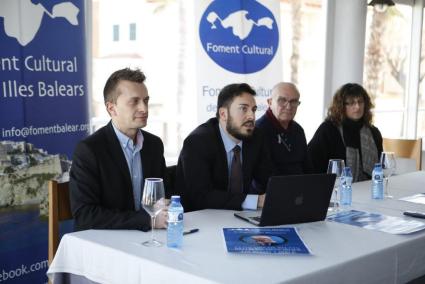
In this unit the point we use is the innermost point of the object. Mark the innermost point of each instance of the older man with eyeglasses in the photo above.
(285, 137)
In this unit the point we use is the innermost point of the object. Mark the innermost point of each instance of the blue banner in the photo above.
(239, 41)
(44, 113)
(240, 36)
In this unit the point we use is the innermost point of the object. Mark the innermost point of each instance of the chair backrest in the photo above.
(59, 210)
(405, 148)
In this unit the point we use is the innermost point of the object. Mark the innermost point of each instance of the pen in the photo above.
(190, 231)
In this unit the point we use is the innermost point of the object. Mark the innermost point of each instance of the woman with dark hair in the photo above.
(347, 133)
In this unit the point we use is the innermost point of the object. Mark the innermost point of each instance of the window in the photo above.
(387, 52)
(132, 31)
(115, 32)
(421, 99)
(394, 71)
(301, 28)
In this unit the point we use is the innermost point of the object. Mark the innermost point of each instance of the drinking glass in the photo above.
(388, 167)
(336, 166)
(153, 203)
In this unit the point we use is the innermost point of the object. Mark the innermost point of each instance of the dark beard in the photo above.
(234, 131)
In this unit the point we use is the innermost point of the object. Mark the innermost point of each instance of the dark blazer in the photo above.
(202, 170)
(285, 162)
(327, 144)
(100, 184)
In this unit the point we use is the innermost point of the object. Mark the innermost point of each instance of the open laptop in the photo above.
(293, 199)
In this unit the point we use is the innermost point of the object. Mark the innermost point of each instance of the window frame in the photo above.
(132, 28)
(115, 33)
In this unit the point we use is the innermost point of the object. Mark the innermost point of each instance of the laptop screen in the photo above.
(297, 199)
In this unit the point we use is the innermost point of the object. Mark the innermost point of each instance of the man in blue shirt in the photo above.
(285, 137)
(224, 163)
(109, 166)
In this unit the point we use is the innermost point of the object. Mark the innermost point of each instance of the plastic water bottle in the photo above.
(377, 182)
(175, 223)
(345, 186)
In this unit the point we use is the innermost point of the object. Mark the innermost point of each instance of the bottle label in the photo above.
(377, 190)
(175, 216)
(345, 197)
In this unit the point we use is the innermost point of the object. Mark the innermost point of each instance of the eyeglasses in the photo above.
(353, 103)
(283, 102)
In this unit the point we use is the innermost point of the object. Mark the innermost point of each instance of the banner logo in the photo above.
(240, 36)
(22, 18)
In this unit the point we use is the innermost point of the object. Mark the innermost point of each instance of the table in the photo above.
(341, 253)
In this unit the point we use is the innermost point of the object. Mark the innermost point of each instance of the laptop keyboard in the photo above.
(256, 218)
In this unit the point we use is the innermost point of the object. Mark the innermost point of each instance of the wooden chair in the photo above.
(405, 148)
(59, 210)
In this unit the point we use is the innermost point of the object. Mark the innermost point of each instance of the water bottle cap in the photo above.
(378, 165)
(175, 198)
(347, 171)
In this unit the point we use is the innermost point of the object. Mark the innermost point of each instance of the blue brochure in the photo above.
(264, 241)
(378, 222)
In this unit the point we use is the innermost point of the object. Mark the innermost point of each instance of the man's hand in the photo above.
(161, 219)
(260, 202)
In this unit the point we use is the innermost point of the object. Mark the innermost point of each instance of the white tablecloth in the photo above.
(341, 253)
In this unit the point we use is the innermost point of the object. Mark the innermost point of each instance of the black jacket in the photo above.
(202, 170)
(285, 162)
(327, 144)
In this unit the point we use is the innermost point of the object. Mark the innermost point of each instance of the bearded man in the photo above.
(224, 163)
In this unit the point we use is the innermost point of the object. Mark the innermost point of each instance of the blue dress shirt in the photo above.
(134, 162)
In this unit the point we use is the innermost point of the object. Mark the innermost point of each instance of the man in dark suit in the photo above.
(224, 163)
(109, 167)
